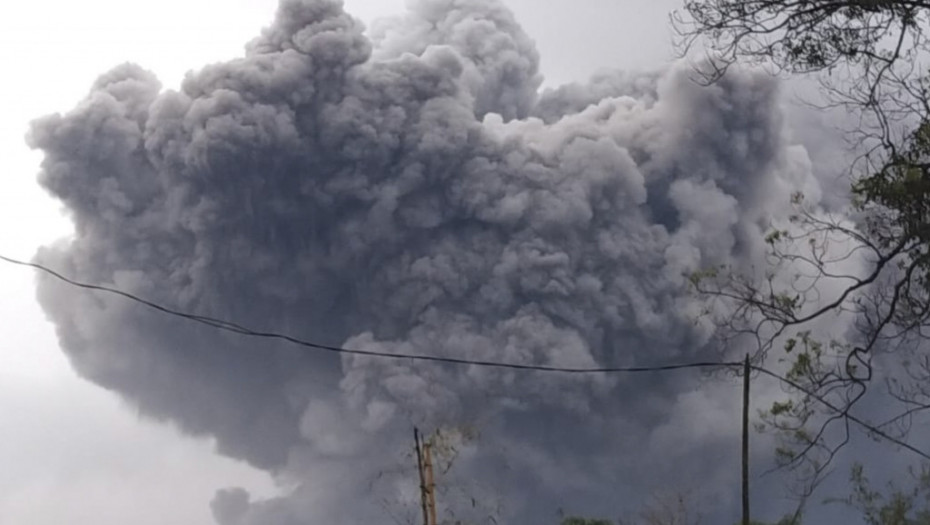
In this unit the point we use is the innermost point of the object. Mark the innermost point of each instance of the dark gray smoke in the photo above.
(412, 192)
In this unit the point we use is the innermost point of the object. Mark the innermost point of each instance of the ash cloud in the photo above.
(410, 190)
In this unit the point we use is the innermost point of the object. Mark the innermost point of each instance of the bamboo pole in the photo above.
(430, 483)
(423, 498)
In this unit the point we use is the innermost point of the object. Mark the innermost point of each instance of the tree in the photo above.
(869, 266)
(806, 35)
(461, 500)
(575, 520)
(870, 48)
(672, 508)
(669, 508)
(909, 506)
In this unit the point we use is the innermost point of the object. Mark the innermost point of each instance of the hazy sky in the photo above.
(70, 451)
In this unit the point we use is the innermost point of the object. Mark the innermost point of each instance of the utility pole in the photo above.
(423, 498)
(430, 482)
(427, 482)
(746, 370)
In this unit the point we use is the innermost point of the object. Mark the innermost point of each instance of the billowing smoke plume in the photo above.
(412, 191)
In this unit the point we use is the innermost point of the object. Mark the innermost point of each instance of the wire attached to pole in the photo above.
(229, 326)
(236, 328)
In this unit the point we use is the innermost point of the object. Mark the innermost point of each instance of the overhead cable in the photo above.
(236, 328)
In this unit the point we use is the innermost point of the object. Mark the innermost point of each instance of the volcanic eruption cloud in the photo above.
(412, 189)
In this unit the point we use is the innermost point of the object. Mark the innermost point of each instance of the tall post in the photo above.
(430, 483)
(420, 471)
(746, 370)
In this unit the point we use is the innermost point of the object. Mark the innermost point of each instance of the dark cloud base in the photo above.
(412, 190)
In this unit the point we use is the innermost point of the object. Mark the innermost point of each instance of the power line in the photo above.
(843, 413)
(236, 328)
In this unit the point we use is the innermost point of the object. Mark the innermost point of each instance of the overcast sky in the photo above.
(70, 451)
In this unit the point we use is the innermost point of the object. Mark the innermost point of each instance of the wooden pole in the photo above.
(746, 370)
(430, 483)
(423, 503)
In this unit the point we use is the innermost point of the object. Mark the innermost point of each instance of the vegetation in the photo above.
(866, 269)
(909, 506)
(896, 505)
(585, 521)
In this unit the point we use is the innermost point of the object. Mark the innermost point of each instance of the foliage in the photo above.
(674, 508)
(866, 51)
(805, 35)
(893, 506)
(460, 500)
(787, 520)
(574, 520)
(870, 267)
(899, 507)
(876, 273)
